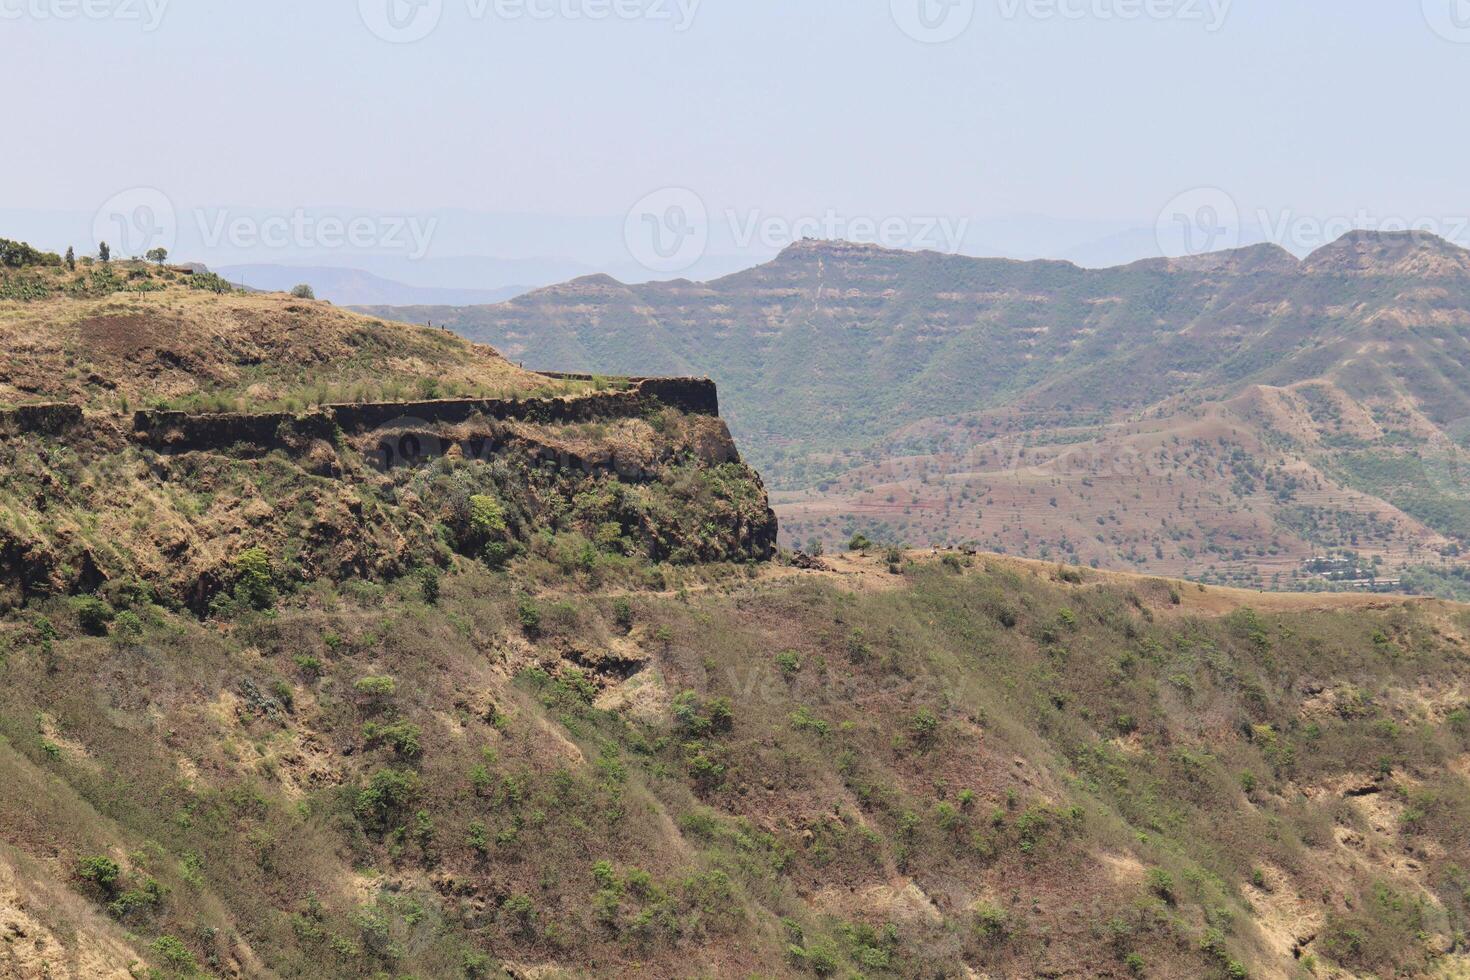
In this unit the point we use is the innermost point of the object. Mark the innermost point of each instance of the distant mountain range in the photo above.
(1225, 416)
(354, 287)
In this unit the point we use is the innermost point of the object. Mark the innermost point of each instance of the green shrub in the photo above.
(103, 872)
(93, 614)
(478, 838)
(127, 625)
(401, 736)
(699, 718)
(386, 795)
(803, 720)
(924, 728)
(429, 585)
(623, 613)
(789, 663)
(487, 517)
(530, 617)
(254, 581)
(486, 530)
(991, 921)
(823, 960)
(478, 966)
(519, 912)
(137, 903)
(1161, 883)
(174, 953)
(376, 688)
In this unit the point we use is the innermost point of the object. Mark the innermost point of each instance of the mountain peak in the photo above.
(834, 247)
(1265, 257)
(1390, 253)
(598, 280)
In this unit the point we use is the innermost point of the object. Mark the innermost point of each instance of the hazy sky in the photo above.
(1076, 109)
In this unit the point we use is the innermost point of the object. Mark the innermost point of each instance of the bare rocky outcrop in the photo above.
(172, 431)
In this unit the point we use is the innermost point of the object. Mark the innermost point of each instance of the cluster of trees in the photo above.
(16, 255)
(155, 255)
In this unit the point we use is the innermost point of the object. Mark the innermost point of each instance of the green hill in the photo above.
(927, 397)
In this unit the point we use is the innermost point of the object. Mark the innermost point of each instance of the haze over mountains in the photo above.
(1224, 416)
(459, 256)
(354, 287)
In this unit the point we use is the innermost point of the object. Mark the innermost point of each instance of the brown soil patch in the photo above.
(123, 335)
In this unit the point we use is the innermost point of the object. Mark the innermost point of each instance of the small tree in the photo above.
(71, 258)
(486, 520)
(104, 252)
(254, 580)
(157, 255)
(303, 291)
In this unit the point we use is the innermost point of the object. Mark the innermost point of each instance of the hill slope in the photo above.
(957, 768)
(1224, 416)
(507, 685)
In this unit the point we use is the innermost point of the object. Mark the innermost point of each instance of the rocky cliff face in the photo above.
(366, 490)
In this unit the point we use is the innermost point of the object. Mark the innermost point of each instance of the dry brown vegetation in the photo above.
(281, 714)
(147, 336)
(976, 763)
